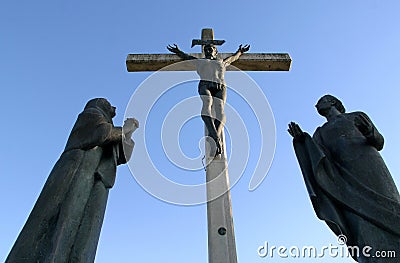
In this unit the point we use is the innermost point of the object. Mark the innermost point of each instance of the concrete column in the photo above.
(221, 236)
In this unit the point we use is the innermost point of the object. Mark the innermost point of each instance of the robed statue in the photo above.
(65, 223)
(348, 182)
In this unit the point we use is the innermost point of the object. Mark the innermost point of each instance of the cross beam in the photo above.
(247, 62)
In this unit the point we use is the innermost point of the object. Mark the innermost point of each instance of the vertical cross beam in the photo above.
(221, 237)
(206, 34)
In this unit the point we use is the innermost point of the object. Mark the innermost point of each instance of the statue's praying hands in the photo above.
(130, 125)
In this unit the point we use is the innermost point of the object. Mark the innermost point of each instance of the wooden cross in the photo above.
(221, 239)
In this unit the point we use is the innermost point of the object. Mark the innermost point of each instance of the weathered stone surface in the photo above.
(221, 236)
(247, 62)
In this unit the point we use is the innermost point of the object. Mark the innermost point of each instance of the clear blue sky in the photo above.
(56, 55)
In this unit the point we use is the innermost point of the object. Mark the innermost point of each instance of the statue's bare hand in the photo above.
(295, 131)
(363, 125)
(173, 48)
(244, 48)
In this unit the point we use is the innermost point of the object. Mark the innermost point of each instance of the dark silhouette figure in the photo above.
(348, 182)
(65, 223)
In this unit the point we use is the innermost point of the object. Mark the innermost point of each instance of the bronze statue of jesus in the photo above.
(212, 87)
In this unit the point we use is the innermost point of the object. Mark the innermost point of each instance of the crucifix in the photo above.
(221, 239)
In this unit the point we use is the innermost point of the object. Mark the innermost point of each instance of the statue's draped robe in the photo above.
(350, 186)
(65, 223)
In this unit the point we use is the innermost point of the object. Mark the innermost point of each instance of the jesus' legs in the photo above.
(209, 122)
(219, 104)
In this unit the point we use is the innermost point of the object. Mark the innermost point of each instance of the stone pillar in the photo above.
(221, 237)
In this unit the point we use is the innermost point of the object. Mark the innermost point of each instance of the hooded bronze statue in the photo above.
(348, 182)
(65, 223)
